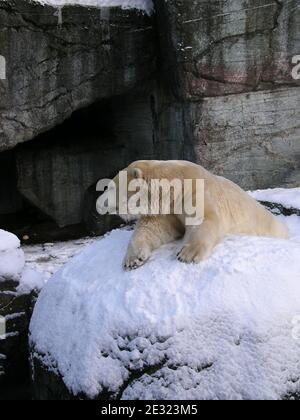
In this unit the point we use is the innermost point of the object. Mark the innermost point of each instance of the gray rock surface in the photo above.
(224, 47)
(54, 69)
(10, 200)
(252, 139)
(205, 81)
(56, 170)
(16, 309)
(228, 67)
(94, 55)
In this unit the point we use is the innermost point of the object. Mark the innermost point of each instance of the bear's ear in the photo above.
(136, 173)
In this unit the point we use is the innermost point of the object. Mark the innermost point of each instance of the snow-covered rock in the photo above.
(224, 329)
(8, 241)
(12, 265)
(11, 257)
(287, 198)
(17, 284)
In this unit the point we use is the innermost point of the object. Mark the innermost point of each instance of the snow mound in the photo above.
(145, 5)
(12, 265)
(223, 329)
(288, 198)
(11, 257)
(8, 241)
(31, 280)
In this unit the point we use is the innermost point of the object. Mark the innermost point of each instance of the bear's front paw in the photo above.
(193, 254)
(135, 260)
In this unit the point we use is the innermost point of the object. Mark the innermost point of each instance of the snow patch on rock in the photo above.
(288, 198)
(145, 5)
(221, 329)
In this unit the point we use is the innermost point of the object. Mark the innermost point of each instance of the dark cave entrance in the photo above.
(47, 185)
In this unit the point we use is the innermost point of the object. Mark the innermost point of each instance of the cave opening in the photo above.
(48, 185)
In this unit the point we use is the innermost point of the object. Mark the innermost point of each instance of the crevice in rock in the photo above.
(279, 10)
(232, 38)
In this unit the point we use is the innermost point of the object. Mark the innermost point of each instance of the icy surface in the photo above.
(145, 5)
(226, 328)
(11, 257)
(289, 198)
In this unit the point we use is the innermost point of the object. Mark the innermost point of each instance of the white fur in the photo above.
(227, 210)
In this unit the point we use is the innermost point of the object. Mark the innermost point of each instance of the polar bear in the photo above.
(227, 210)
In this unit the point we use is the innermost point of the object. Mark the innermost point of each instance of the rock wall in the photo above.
(57, 169)
(87, 56)
(10, 199)
(16, 309)
(221, 47)
(228, 65)
(55, 67)
(205, 81)
(253, 138)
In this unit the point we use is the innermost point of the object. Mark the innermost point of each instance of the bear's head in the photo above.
(152, 188)
(127, 193)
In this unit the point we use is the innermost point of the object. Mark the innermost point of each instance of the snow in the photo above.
(11, 257)
(12, 265)
(289, 198)
(31, 280)
(224, 329)
(145, 5)
(48, 258)
(8, 241)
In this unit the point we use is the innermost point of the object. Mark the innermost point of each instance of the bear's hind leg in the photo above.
(200, 242)
(150, 234)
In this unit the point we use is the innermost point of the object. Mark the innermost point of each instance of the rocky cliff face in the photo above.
(200, 80)
(219, 48)
(229, 65)
(56, 65)
(57, 169)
